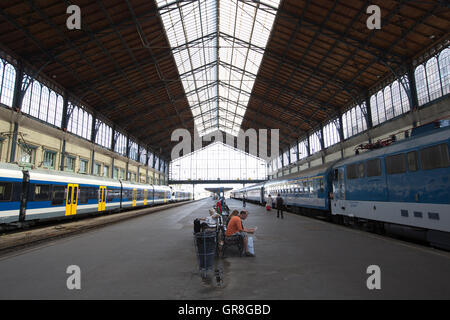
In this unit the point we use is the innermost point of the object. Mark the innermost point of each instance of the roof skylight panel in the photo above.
(244, 28)
(240, 29)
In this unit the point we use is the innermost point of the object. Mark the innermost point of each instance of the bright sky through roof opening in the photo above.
(218, 46)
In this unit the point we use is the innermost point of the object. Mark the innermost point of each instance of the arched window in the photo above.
(59, 111)
(26, 101)
(8, 82)
(344, 125)
(150, 159)
(103, 136)
(43, 108)
(421, 85)
(388, 103)
(374, 109)
(433, 79)
(360, 117)
(80, 121)
(331, 134)
(35, 99)
(404, 96)
(380, 107)
(396, 98)
(444, 67)
(51, 108)
(2, 75)
(89, 126)
(73, 120)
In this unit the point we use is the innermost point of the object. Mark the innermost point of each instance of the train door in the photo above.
(145, 197)
(101, 198)
(134, 197)
(164, 197)
(71, 199)
(339, 184)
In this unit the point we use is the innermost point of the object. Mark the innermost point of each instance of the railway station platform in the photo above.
(153, 257)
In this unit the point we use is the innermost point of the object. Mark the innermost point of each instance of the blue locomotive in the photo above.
(31, 195)
(404, 185)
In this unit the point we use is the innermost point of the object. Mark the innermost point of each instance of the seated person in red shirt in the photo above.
(235, 227)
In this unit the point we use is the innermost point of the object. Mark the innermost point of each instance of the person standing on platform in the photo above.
(243, 200)
(219, 206)
(279, 206)
(269, 203)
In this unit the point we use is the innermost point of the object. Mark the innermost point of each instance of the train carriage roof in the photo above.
(316, 171)
(10, 171)
(70, 177)
(433, 137)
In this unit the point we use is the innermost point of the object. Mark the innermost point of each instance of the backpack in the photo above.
(197, 226)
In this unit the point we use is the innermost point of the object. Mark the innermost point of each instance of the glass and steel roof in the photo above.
(218, 46)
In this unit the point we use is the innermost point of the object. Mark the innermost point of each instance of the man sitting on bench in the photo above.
(235, 227)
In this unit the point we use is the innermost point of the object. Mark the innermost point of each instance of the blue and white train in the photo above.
(33, 195)
(403, 186)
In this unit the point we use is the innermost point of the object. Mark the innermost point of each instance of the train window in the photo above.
(5, 191)
(75, 194)
(434, 157)
(84, 195)
(58, 195)
(412, 161)
(321, 185)
(352, 171)
(361, 173)
(395, 164)
(92, 192)
(373, 167)
(41, 192)
(111, 194)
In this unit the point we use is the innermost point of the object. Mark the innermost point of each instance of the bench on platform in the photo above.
(234, 240)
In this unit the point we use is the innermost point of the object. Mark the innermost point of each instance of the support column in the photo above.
(93, 135)
(93, 161)
(14, 142)
(322, 144)
(17, 106)
(368, 111)
(128, 158)
(112, 168)
(112, 144)
(64, 128)
(412, 94)
(341, 134)
(308, 149)
(368, 115)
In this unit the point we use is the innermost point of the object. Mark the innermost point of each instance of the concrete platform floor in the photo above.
(153, 257)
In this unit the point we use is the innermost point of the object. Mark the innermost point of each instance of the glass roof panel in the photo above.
(218, 47)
